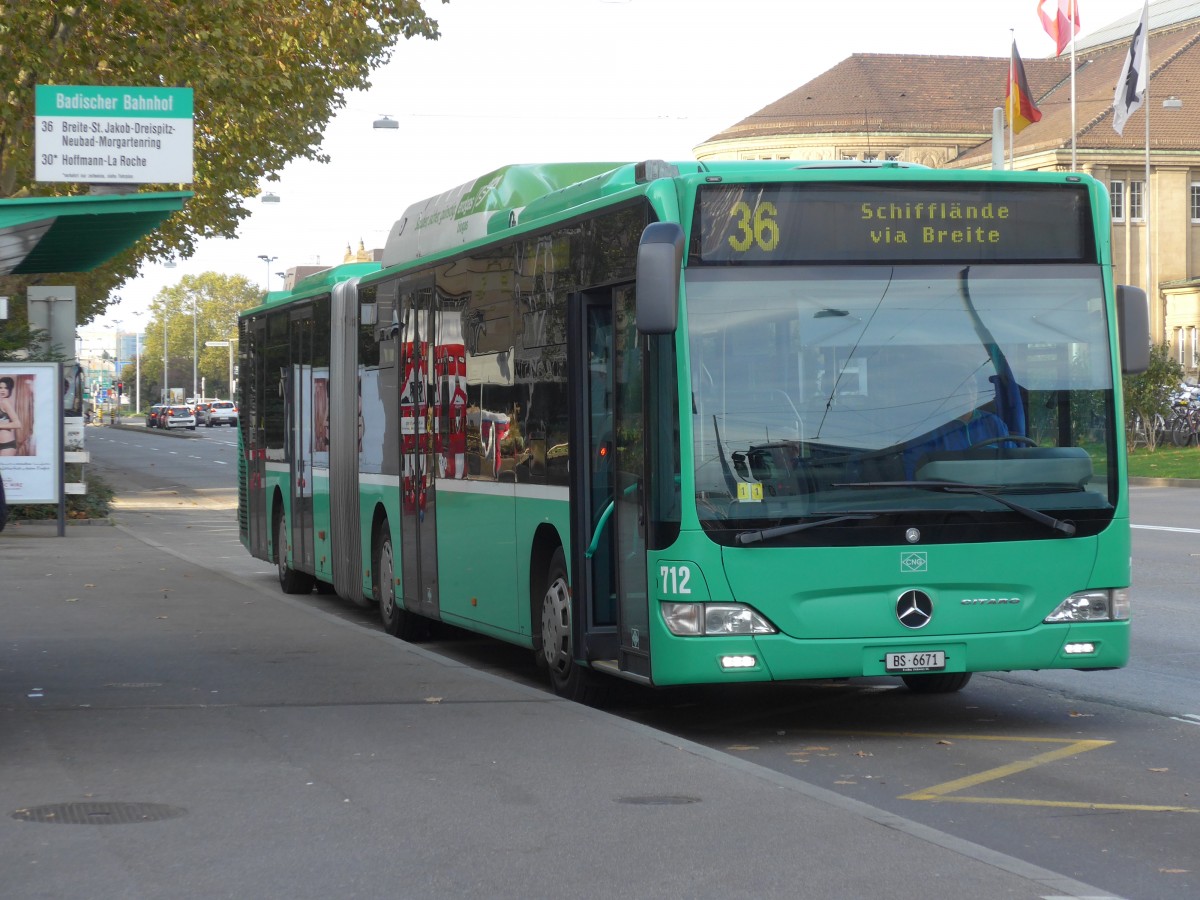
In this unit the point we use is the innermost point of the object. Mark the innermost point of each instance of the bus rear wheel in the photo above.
(290, 581)
(397, 622)
(938, 683)
(567, 677)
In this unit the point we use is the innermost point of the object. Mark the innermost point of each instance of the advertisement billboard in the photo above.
(31, 416)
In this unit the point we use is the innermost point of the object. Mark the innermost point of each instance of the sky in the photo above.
(525, 81)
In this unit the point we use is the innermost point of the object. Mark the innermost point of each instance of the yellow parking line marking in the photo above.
(943, 793)
(949, 787)
(1062, 804)
(940, 793)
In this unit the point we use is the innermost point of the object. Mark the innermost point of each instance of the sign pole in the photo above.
(62, 461)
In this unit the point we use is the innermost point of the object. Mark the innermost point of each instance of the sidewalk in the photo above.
(284, 752)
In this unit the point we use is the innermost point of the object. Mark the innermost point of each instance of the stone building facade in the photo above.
(937, 111)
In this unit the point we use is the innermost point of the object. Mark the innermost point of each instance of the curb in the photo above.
(1142, 481)
(173, 432)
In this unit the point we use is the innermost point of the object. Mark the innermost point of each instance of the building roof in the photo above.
(894, 95)
(1163, 13)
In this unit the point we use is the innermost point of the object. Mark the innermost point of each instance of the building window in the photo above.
(1195, 202)
(1116, 193)
(1195, 347)
(1135, 201)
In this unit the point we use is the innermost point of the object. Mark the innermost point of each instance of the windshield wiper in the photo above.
(980, 490)
(769, 534)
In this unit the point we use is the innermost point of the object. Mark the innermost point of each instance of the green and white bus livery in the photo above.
(714, 422)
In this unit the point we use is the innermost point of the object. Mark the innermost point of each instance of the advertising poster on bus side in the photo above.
(30, 431)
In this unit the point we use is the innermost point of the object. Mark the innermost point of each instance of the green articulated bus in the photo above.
(714, 422)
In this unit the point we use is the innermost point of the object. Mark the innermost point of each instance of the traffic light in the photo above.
(120, 388)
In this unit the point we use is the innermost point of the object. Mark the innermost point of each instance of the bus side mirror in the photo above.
(1133, 329)
(660, 255)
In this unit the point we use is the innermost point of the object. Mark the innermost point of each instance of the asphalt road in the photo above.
(1090, 774)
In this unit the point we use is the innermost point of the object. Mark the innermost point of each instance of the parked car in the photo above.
(178, 417)
(219, 412)
(153, 414)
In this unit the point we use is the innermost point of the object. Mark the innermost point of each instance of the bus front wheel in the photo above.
(567, 677)
(940, 683)
(397, 622)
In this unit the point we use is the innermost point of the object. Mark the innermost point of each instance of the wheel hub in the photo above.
(387, 582)
(556, 626)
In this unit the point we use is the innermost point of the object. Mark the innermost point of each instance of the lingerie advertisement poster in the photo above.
(31, 410)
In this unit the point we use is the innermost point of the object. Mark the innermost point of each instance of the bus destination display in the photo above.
(798, 223)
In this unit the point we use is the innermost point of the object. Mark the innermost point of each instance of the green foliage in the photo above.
(1149, 394)
(268, 76)
(20, 342)
(218, 299)
(1166, 462)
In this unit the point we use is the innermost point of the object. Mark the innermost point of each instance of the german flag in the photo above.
(1018, 104)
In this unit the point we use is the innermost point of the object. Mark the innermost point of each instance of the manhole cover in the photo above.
(98, 813)
(659, 800)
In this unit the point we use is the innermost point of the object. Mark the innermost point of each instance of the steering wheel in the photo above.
(1000, 438)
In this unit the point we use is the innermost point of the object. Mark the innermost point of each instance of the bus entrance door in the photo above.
(610, 613)
(253, 513)
(300, 452)
(417, 342)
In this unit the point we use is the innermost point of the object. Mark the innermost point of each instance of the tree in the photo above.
(268, 76)
(1148, 394)
(20, 342)
(218, 299)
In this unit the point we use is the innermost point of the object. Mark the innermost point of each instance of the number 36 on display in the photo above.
(754, 227)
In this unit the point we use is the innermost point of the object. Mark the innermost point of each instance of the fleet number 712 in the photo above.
(675, 579)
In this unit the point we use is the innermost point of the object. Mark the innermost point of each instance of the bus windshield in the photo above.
(823, 390)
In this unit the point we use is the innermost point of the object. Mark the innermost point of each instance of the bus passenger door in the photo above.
(301, 437)
(416, 344)
(253, 434)
(609, 613)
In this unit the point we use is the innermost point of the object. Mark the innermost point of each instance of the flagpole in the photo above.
(1071, 28)
(1152, 294)
(1012, 95)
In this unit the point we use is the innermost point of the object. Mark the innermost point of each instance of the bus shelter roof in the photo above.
(75, 234)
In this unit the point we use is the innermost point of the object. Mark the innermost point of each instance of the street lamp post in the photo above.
(137, 363)
(195, 368)
(116, 416)
(164, 384)
(268, 260)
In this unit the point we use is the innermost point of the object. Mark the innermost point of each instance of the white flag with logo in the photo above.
(1131, 86)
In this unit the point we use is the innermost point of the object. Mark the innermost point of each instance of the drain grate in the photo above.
(659, 800)
(98, 813)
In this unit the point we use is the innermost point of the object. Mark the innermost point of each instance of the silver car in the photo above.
(219, 412)
(178, 417)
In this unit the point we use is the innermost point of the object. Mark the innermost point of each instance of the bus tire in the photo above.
(569, 679)
(397, 621)
(936, 683)
(290, 581)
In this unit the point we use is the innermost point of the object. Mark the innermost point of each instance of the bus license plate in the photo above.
(915, 661)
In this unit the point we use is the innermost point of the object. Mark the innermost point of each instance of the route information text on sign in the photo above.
(130, 135)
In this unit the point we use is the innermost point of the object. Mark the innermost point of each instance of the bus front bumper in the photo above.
(777, 657)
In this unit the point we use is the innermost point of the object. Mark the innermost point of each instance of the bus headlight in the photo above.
(685, 619)
(1092, 606)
